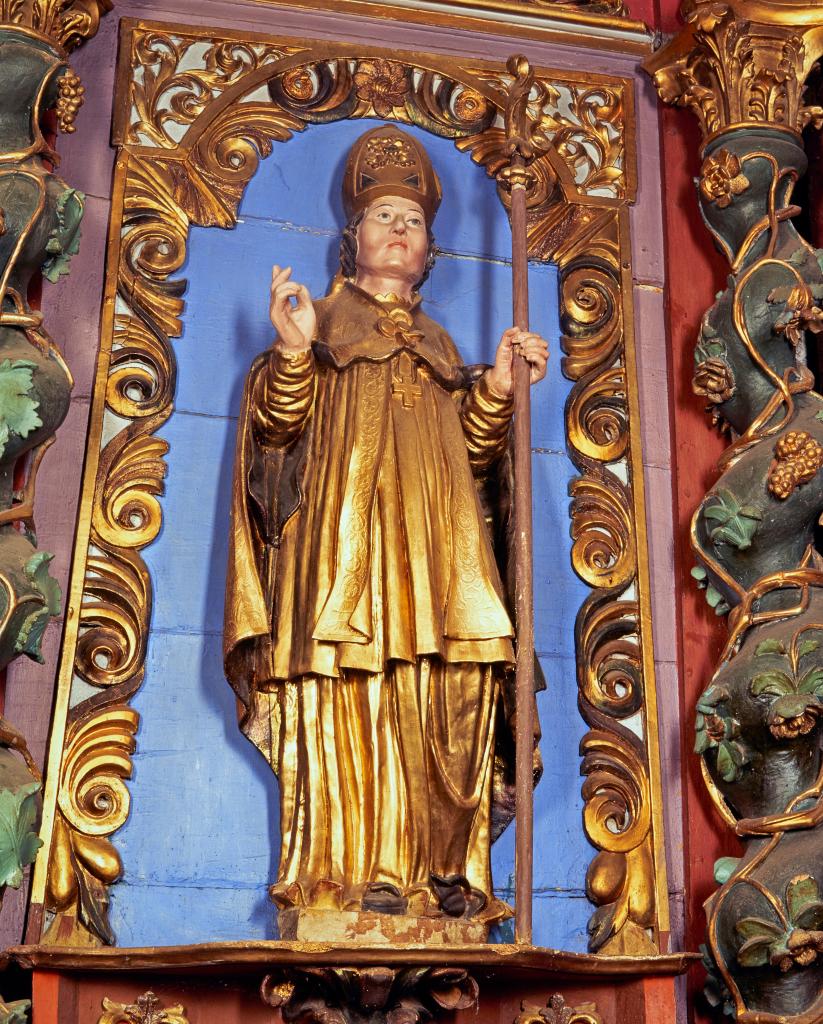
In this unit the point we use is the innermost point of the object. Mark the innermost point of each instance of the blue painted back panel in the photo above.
(201, 845)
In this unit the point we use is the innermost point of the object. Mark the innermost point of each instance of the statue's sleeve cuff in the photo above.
(284, 395)
(487, 396)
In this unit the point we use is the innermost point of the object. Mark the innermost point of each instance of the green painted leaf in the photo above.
(801, 893)
(719, 512)
(812, 681)
(713, 597)
(816, 290)
(724, 868)
(712, 696)
(18, 411)
(818, 255)
(807, 647)
(18, 842)
(698, 572)
(15, 1012)
(819, 415)
(810, 918)
(797, 258)
(736, 751)
(758, 928)
(773, 682)
(726, 762)
(769, 647)
(64, 240)
(755, 952)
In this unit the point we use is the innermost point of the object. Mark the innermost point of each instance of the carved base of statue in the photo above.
(309, 925)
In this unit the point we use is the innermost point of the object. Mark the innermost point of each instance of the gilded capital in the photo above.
(64, 23)
(742, 63)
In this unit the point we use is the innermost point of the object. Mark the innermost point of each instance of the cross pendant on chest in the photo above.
(404, 381)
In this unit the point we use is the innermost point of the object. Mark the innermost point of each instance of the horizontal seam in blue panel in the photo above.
(203, 415)
(306, 229)
(191, 631)
(555, 893)
(185, 631)
(192, 884)
(224, 416)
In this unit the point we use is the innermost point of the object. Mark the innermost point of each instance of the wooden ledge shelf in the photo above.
(252, 957)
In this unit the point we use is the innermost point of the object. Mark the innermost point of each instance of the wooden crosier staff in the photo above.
(524, 141)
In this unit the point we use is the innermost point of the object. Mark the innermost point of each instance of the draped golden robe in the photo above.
(366, 630)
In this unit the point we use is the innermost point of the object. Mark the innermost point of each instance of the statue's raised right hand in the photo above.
(295, 324)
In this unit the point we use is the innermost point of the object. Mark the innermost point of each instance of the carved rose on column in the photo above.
(382, 84)
(721, 178)
(713, 378)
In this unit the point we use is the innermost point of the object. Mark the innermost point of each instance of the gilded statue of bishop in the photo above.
(367, 633)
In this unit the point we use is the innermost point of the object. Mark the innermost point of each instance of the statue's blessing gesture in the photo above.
(368, 633)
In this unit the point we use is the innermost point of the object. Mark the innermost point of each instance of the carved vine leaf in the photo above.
(19, 841)
(18, 410)
(16, 1012)
(793, 940)
(798, 701)
(716, 730)
(736, 524)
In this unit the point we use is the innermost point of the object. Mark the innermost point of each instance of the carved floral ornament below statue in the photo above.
(369, 663)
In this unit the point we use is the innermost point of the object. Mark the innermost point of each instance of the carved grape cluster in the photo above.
(797, 458)
(69, 101)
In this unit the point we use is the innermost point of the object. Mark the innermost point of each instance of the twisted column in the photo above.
(740, 67)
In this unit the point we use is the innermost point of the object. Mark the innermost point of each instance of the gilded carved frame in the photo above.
(189, 140)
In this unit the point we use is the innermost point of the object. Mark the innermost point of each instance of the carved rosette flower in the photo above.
(381, 83)
(789, 723)
(721, 178)
(470, 106)
(713, 378)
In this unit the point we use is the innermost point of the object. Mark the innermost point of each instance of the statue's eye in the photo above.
(415, 222)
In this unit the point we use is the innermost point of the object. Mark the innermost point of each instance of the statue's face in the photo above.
(392, 239)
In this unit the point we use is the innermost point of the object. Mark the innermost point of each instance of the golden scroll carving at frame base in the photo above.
(145, 1010)
(190, 141)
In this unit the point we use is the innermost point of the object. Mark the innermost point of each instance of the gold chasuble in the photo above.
(366, 630)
